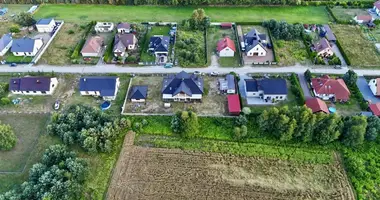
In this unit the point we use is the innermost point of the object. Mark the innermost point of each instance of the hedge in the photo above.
(78, 47)
(335, 18)
(343, 53)
(108, 53)
(249, 23)
(275, 58)
(297, 89)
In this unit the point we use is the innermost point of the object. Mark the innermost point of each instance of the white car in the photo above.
(214, 73)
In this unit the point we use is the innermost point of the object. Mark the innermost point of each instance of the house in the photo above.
(317, 105)
(138, 93)
(124, 42)
(226, 47)
(228, 85)
(26, 46)
(363, 19)
(182, 87)
(376, 7)
(328, 33)
(123, 28)
(255, 43)
(234, 107)
(274, 89)
(323, 48)
(327, 88)
(5, 43)
(104, 27)
(374, 85)
(226, 25)
(33, 85)
(93, 47)
(102, 86)
(159, 46)
(375, 109)
(45, 25)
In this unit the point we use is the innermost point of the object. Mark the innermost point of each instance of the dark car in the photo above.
(13, 65)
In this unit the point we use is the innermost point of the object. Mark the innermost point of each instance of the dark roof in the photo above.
(159, 43)
(124, 25)
(254, 38)
(44, 21)
(122, 41)
(5, 40)
(268, 86)
(30, 84)
(138, 92)
(329, 34)
(182, 83)
(106, 85)
(321, 45)
(233, 103)
(230, 81)
(23, 45)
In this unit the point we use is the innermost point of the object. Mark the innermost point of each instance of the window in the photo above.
(16, 53)
(257, 49)
(253, 93)
(276, 97)
(43, 92)
(280, 97)
(27, 91)
(34, 92)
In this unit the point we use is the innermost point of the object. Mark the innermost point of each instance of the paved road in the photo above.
(304, 87)
(366, 92)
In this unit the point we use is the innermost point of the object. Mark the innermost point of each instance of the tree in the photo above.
(7, 137)
(308, 75)
(246, 110)
(350, 78)
(186, 124)
(198, 21)
(24, 19)
(373, 128)
(241, 120)
(327, 128)
(14, 29)
(305, 123)
(354, 130)
(277, 123)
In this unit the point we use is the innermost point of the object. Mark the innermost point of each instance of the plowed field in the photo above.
(153, 173)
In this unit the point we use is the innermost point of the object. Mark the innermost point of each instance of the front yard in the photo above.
(290, 52)
(215, 34)
(360, 51)
(212, 101)
(154, 30)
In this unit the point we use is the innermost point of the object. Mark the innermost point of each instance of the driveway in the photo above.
(242, 84)
(336, 51)
(303, 83)
(366, 92)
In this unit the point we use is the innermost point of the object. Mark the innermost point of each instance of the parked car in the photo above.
(57, 105)
(197, 72)
(13, 65)
(214, 73)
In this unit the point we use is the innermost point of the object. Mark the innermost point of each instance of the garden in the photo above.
(153, 30)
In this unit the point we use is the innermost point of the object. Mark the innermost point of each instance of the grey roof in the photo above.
(138, 92)
(321, 45)
(182, 83)
(122, 41)
(159, 43)
(23, 45)
(329, 34)
(44, 21)
(106, 85)
(231, 82)
(254, 38)
(5, 40)
(268, 86)
(124, 25)
(30, 84)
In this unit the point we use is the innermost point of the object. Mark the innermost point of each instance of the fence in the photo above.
(126, 96)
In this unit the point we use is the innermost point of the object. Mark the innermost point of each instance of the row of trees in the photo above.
(283, 30)
(299, 123)
(59, 175)
(198, 21)
(186, 124)
(89, 127)
(8, 138)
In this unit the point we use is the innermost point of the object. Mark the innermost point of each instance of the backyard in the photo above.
(213, 36)
(59, 51)
(80, 13)
(290, 52)
(347, 14)
(360, 51)
(154, 30)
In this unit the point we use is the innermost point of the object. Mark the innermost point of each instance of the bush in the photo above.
(70, 32)
(296, 89)
(7, 137)
(131, 59)
(343, 53)
(5, 101)
(14, 29)
(186, 124)
(77, 49)
(108, 54)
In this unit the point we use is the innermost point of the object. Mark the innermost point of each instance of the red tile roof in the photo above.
(327, 85)
(93, 45)
(375, 108)
(377, 4)
(226, 42)
(233, 103)
(364, 17)
(317, 105)
(226, 25)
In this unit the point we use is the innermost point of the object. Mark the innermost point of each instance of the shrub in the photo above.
(5, 101)
(131, 59)
(108, 54)
(186, 124)
(14, 29)
(70, 32)
(7, 137)
(296, 89)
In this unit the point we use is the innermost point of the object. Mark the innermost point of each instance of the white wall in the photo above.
(276, 97)
(138, 100)
(231, 91)
(37, 46)
(226, 52)
(259, 50)
(328, 52)
(90, 54)
(123, 30)
(5, 50)
(42, 28)
(373, 86)
(181, 97)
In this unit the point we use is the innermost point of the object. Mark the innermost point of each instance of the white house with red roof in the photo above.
(327, 88)
(376, 7)
(317, 105)
(226, 47)
(374, 85)
(360, 19)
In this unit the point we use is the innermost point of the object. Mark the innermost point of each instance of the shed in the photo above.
(226, 25)
(234, 107)
(138, 93)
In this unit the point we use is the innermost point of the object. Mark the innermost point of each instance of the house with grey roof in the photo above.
(182, 87)
(26, 46)
(255, 43)
(33, 85)
(124, 42)
(45, 25)
(138, 93)
(228, 84)
(159, 46)
(99, 86)
(5, 43)
(328, 33)
(323, 48)
(123, 27)
(269, 90)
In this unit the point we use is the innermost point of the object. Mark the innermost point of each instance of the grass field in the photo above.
(290, 52)
(345, 14)
(360, 51)
(77, 13)
(58, 52)
(155, 30)
(15, 9)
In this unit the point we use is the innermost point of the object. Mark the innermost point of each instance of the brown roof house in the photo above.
(375, 108)
(317, 105)
(124, 42)
(323, 48)
(327, 88)
(93, 47)
(363, 19)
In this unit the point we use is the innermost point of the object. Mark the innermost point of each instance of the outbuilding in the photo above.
(45, 25)
(138, 93)
(234, 107)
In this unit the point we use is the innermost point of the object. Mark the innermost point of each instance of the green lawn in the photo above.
(290, 52)
(346, 14)
(9, 57)
(155, 30)
(76, 13)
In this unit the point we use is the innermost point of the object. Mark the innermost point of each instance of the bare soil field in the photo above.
(154, 173)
